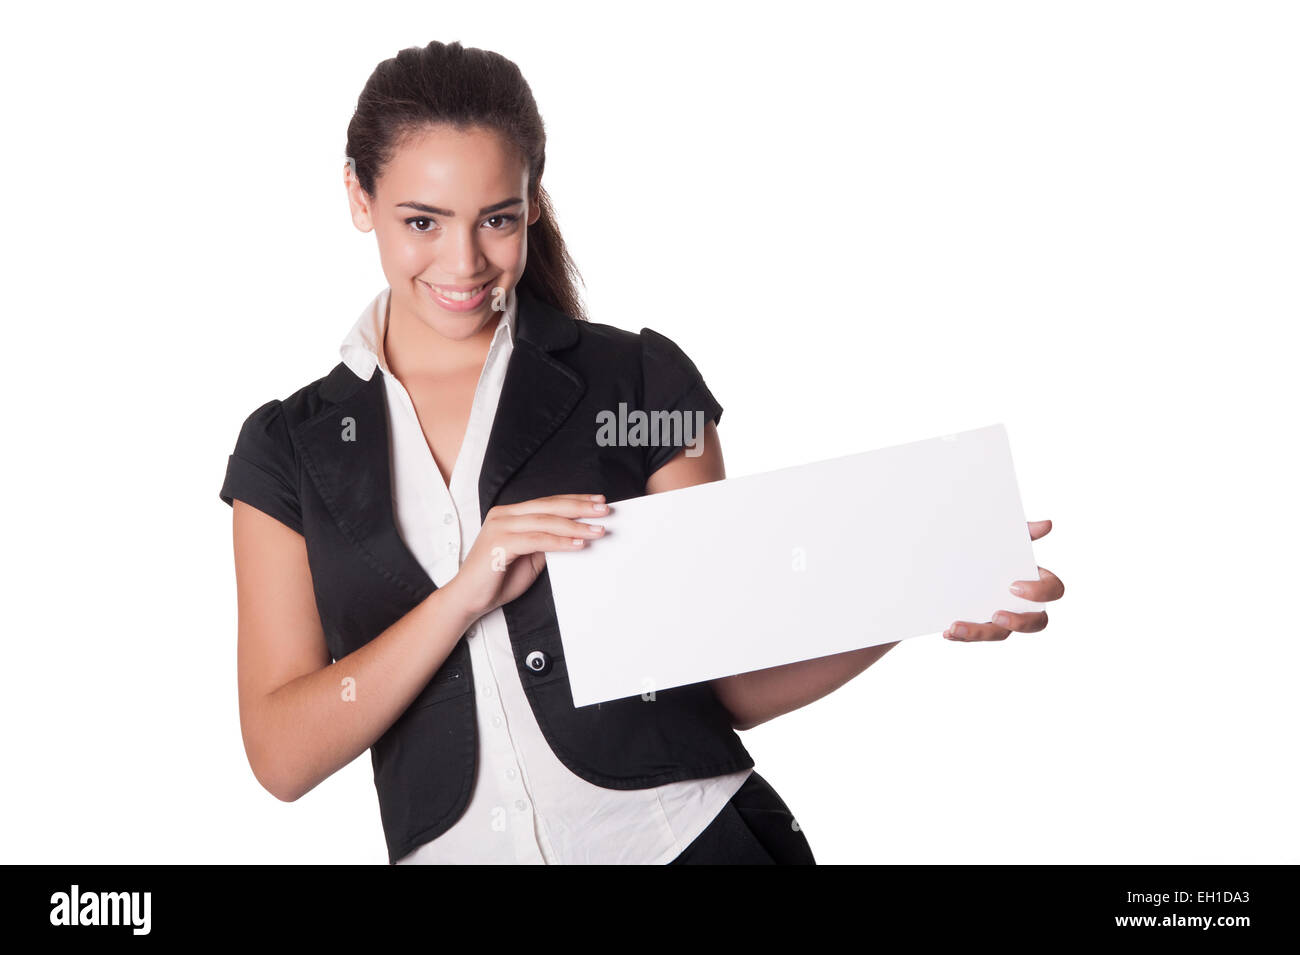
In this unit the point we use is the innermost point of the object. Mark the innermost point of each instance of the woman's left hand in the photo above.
(1047, 587)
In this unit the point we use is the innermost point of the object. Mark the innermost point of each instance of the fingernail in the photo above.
(1000, 619)
(959, 630)
(1017, 589)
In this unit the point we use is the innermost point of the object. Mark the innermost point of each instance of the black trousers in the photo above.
(754, 828)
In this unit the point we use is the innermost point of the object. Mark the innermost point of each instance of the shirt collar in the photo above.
(362, 350)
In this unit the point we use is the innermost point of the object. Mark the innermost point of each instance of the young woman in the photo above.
(391, 521)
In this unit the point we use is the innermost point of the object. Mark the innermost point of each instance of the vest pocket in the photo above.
(446, 684)
(424, 765)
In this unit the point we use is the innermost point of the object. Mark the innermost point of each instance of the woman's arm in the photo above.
(298, 722)
(761, 695)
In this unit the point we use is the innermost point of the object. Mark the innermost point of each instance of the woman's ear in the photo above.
(534, 210)
(358, 201)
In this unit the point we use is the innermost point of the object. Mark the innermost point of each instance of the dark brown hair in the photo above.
(446, 83)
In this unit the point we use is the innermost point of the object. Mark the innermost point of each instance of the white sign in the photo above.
(802, 562)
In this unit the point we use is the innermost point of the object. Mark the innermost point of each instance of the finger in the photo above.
(1021, 622)
(543, 502)
(1039, 529)
(963, 631)
(570, 505)
(1047, 587)
(558, 500)
(550, 523)
(523, 545)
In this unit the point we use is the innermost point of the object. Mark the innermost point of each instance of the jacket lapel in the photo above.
(537, 396)
(345, 448)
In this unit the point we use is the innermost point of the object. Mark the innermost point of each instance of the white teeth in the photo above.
(458, 296)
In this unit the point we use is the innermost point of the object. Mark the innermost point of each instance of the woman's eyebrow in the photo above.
(435, 211)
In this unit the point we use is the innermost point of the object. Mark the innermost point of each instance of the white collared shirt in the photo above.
(526, 806)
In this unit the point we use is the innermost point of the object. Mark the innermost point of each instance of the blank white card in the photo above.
(802, 562)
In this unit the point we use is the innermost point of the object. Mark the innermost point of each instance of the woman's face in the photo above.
(451, 213)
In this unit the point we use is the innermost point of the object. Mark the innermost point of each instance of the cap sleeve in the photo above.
(263, 470)
(672, 383)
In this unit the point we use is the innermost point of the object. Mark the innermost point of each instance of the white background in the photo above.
(867, 224)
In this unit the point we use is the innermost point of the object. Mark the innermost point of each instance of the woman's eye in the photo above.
(505, 221)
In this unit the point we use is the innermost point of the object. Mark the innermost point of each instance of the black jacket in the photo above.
(291, 462)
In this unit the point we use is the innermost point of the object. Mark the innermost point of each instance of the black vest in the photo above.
(561, 373)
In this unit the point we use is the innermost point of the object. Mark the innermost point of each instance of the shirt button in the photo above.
(487, 689)
(520, 805)
(511, 774)
(496, 721)
(451, 547)
(447, 518)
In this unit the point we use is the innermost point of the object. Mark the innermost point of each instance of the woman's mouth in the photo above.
(458, 301)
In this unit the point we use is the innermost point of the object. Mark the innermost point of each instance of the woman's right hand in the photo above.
(509, 552)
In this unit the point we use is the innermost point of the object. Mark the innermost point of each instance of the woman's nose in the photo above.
(463, 258)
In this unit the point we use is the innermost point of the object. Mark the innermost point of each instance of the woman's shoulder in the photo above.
(266, 432)
(648, 353)
(658, 370)
(310, 399)
(607, 343)
(264, 469)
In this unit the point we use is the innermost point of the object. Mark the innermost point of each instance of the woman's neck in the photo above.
(414, 350)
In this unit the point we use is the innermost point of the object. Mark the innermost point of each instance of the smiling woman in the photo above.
(391, 520)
